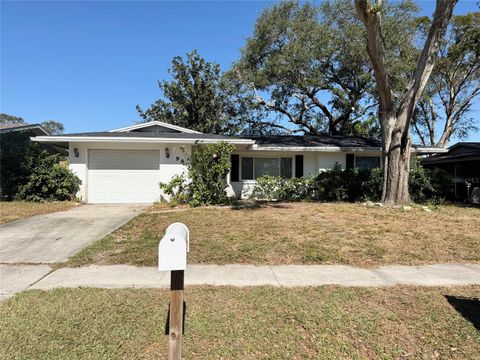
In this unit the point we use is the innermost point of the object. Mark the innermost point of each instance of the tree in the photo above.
(308, 65)
(53, 127)
(10, 119)
(454, 85)
(396, 110)
(195, 98)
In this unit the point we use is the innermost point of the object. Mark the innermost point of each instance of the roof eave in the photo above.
(98, 139)
(24, 128)
(317, 148)
(428, 150)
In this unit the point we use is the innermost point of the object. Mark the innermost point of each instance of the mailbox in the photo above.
(173, 248)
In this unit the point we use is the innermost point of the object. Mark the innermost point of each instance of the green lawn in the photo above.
(242, 323)
(296, 233)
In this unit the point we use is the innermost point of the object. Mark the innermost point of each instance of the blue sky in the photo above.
(87, 64)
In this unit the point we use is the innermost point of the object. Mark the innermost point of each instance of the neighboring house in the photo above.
(29, 129)
(126, 165)
(462, 162)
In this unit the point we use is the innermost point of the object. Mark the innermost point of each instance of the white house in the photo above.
(126, 165)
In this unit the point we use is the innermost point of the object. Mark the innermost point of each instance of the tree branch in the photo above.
(370, 16)
(425, 63)
(297, 120)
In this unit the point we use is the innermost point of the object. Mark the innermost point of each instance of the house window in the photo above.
(253, 168)
(286, 167)
(247, 168)
(266, 166)
(367, 162)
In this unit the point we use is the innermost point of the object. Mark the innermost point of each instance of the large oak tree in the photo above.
(307, 64)
(396, 109)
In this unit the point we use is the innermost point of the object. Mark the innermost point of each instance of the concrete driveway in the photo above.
(55, 237)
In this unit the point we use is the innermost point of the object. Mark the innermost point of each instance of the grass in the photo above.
(299, 233)
(243, 323)
(17, 210)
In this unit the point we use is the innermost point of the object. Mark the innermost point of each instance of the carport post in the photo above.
(176, 315)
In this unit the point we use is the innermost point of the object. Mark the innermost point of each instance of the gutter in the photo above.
(314, 148)
(98, 139)
(414, 149)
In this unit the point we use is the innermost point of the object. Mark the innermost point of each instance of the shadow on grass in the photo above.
(469, 308)
(255, 205)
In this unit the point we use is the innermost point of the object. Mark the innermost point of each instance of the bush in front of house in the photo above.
(331, 185)
(348, 185)
(351, 185)
(177, 190)
(205, 182)
(429, 184)
(48, 179)
(207, 171)
(14, 150)
(279, 188)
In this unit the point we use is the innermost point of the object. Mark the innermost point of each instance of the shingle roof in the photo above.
(462, 151)
(36, 128)
(261, 141)
(314, 141)
(11, 126)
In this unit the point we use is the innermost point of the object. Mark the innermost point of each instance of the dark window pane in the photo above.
(267, 166)
(349, 160)
(247, 168)
(298, 166)
(235, 163)
(367, 162)
(286, 167)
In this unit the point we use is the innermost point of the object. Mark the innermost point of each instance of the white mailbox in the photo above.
(173, 248)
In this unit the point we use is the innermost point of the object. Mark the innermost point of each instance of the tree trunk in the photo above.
(396, 169)
(395, 119)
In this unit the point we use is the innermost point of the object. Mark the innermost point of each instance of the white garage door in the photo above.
(123, 176)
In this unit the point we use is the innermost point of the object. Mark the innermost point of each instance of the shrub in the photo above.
(352, 185)
(331, 185)
(48, 179)
(206, 180)
(177, 189)
(429, 185)
(207, 171)
(14, 148)
(279, 188)
(348, 185)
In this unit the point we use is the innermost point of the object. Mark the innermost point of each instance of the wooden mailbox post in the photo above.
(172, 256)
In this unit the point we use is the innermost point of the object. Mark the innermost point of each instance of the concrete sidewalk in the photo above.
(124, 276)
(16, 278)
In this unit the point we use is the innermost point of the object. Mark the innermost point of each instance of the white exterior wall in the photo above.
(314, 162)
(310, 163)
(167, 169)
(327, 160)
